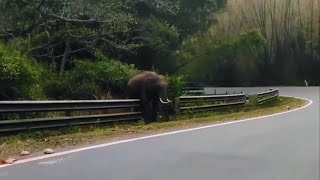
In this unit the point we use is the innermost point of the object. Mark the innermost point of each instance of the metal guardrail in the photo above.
(10, 107)
(182, 104)
(212, 102)
(194, 90)
(45, 106)
(267, 96)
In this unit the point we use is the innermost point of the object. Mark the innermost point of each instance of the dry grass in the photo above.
(74, 136)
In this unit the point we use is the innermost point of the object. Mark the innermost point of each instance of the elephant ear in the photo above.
(151, 81)
(163, 80)
(163, 84)
(161, 77)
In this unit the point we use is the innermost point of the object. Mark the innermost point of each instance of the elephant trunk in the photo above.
(164, 97)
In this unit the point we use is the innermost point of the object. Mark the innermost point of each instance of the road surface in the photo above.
(282, 147)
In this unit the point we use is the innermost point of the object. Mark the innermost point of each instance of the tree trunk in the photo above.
(311, 28)
(319, 28)
(65, 55)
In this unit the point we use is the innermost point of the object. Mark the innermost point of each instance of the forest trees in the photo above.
(232, 61)
(218, 42)
(58, 34)
(291, 29)
(134, 31)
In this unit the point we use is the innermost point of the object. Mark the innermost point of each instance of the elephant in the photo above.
(152, 89)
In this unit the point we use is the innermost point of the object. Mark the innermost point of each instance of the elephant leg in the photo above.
(146, 108)
(143, 110)
(155, 109)
(148, 113)
(165, 113)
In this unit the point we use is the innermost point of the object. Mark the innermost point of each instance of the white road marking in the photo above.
(50, 162)
(4, 174)
(153, 136)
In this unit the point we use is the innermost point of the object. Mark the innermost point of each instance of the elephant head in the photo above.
(151, 89)
(149, 85)
(163, 90)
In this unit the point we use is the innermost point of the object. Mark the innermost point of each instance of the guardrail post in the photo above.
(247, 99)
(68, 113)
(177, 105)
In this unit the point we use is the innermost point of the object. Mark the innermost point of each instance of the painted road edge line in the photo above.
(153, 136)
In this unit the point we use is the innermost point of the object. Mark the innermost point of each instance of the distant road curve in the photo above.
(280, 147)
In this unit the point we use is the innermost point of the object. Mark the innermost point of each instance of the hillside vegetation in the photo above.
(69, 49)
(257, 43)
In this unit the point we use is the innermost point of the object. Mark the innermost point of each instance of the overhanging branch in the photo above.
(88, 21)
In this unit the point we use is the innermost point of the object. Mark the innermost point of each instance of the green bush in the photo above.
(20, 77)
(176, 85)
(89, 80)
(66, 87)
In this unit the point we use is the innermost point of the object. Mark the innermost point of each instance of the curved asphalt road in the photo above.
(283, 147)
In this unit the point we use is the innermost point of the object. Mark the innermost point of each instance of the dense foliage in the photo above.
(90, 80)
(286, 33)
(76, 40)
(19, 76)
(88, 49)
(23, 78)
(133, 31)
(229, 62)
(176, 85)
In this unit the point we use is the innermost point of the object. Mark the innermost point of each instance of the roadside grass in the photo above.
(37, 141)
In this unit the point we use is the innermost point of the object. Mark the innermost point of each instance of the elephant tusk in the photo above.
(163, 101)
(169, 101)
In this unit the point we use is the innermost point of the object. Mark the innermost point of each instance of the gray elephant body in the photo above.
(151, 89)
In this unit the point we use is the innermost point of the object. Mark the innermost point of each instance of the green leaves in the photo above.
(159, 35)
(78, 38)
(120, 29)
(176, 85)
(19, 76)
(89, 80)
(196, 16)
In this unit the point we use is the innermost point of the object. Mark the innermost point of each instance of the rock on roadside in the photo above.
(48, 151)
(10, 161)
(24, 153)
